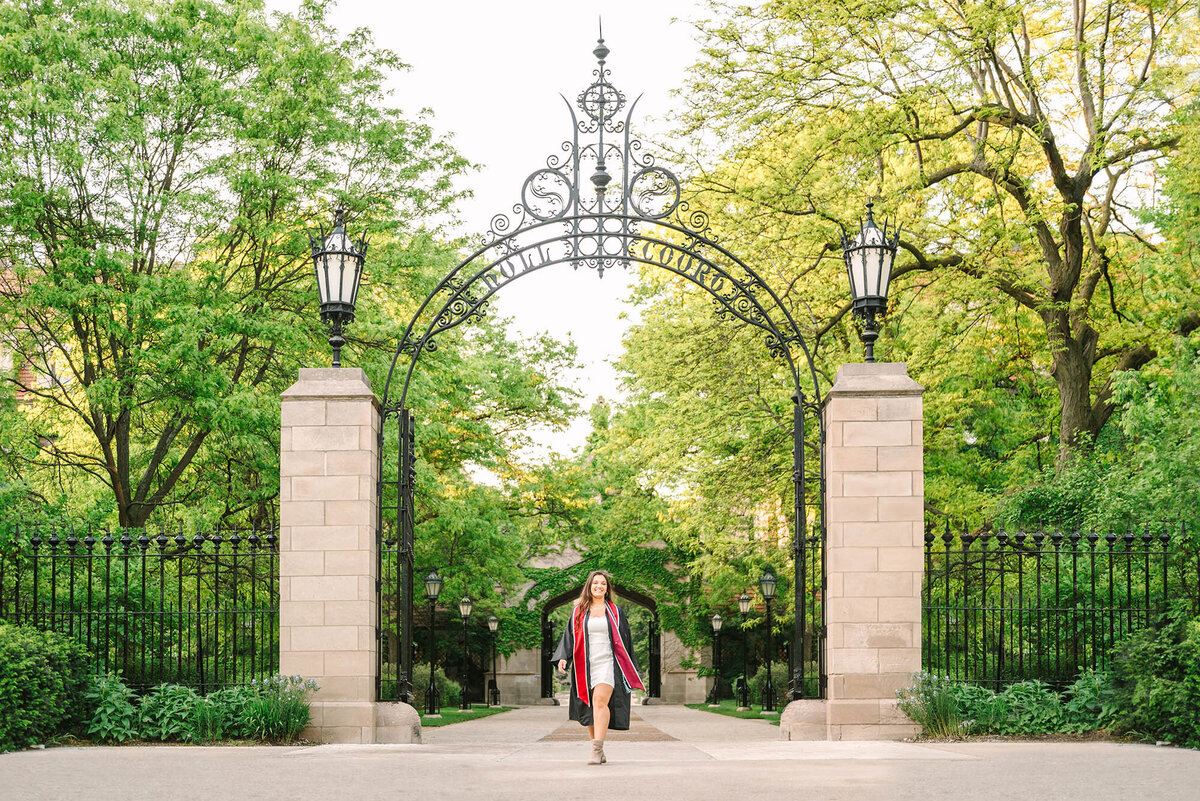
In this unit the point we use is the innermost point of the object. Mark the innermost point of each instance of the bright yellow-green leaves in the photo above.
(1014, 141)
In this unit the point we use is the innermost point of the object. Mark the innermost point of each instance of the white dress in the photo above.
(600, 655)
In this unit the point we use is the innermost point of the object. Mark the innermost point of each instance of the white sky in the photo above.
(492, 73)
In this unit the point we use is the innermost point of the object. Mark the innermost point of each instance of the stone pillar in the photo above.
(329, 558)
(875, 556)
(519, 677)
(680, 685)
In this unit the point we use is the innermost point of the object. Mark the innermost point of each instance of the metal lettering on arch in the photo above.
(601, 203)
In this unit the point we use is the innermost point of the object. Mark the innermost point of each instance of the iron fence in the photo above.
(199, 610)
(1002, 607)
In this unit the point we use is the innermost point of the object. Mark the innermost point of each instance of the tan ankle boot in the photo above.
(597, 756)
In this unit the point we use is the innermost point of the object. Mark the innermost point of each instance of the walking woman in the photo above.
(598, 648)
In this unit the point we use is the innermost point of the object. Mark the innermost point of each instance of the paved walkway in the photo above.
(671, 753)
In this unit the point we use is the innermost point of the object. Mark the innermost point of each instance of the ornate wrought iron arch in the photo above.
(636, 216)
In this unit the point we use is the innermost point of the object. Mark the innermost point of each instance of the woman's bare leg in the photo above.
(600, 714)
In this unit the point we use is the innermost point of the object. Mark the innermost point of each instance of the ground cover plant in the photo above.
(729, 707)
(274, 709)
(451, 715)
(114, 709)
(1150, 690)
(948, 708)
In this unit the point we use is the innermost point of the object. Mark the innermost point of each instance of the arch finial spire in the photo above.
(601, 51)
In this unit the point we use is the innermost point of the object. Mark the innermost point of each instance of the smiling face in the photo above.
(596, 590)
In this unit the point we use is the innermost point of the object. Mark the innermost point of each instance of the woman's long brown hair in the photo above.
(585, 595)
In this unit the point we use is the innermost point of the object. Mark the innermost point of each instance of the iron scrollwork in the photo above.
(601, 201)
(464, 305)
(599, 187)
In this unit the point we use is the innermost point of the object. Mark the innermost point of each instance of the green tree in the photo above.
(709, 427)
(1139, 468)
(605, 503)
(1011, 138)
(159, 160)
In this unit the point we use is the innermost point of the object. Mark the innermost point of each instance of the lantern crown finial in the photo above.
(338, 261)
(767, 584)
(433, 586)
(869, 257)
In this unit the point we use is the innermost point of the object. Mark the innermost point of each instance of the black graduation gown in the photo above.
(619, 702)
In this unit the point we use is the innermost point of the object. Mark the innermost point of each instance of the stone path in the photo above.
(671, 753)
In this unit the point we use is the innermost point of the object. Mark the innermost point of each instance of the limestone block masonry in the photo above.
(519, 677)
(875, 487)
(680, 685)
(328, 556)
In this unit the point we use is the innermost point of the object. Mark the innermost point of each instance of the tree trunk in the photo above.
(1073, 374)
(1074, 350)
(1080, 417)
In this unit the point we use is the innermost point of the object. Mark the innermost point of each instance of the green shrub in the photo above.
(1091, 702)
(43, 677)
(115, 716)
(1034, 708)
(947, 708)
(167, 712)
(1156, 680)
(779, 680)
(449, 691)
(932, 703)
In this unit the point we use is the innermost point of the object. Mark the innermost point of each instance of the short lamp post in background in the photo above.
(494, 689)
(869, 258)
(714, 697)
(744, 681)
(767, 585)
(433, 588)
(464, 611)
(338, 260)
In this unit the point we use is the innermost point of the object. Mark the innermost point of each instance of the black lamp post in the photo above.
(869, 258)
(714, 698)
(493, 626)
(767, 585)
(338, 260)
(464, 611)
(433, 587)
(744, 688)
